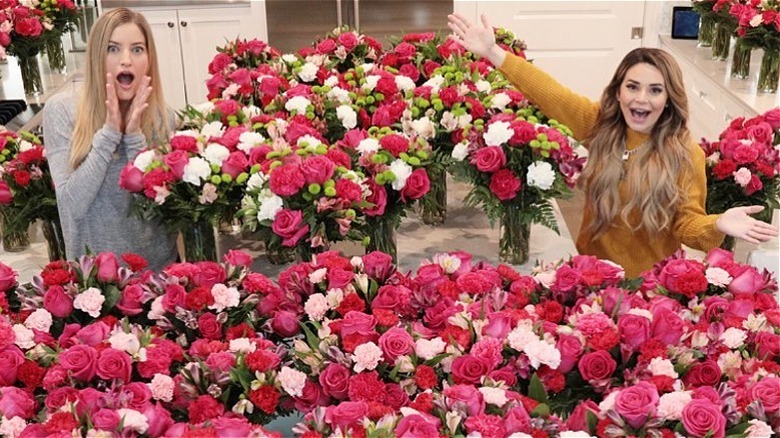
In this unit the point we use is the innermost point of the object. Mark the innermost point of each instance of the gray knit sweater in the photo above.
(94, 210)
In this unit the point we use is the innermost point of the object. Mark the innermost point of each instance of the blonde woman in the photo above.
(645, 182)
(92, 134)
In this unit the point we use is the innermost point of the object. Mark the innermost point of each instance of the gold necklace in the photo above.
(627, 154)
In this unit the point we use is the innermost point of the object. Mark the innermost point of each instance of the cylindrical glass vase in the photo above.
(740, 60)
(514, 238)
(706, 30)
(769, 73)
(31, 75)
(200, 243)
(722, 41)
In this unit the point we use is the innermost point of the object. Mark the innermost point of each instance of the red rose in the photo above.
(7, 277)
(754, 185)
(220, 61)
(11, 358)
(417, 185)
(489, 159)
(107, 267)
(468, 369)
(208, 274)
(396, 342)
(311, 397)
(237, 257)
(114, 364)
(349, 40)
(6, 196)
(80, 361)
(285, 323)
(405, 50)
(334, 380)
(209, 327)
(378, 198)
(288, 224)
(637, 403)
(317, 169)
(703, 418)
(578, 420)
(286, 180)
(235, 164)
(134, 261)
(598, 365)
(130, 179)
(177, 160)
(57, 302)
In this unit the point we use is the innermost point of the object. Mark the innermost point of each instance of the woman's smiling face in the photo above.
(643, 97)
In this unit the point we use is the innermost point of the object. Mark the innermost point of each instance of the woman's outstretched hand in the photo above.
(477, 39)
(736, 222)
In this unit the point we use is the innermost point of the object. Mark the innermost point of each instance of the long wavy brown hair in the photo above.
(91, 110)
(656, 198)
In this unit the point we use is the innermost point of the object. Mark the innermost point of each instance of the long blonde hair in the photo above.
(656, 198)
(91, 114)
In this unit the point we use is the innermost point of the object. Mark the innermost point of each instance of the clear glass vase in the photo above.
(514, 238)
(55, 241)
(433, 206)
(200, 243)
(56, 54)
(722, 41)
(769, 72)
(382, 236)
(706, 30)
(279, 255)
(740, 60)
(31, 74)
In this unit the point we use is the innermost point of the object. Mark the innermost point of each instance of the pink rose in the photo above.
(57, 302)
(346, 414)
(105, 419)
(237, 257)
(227, 107)
(137, 395)
(160, 421)
(566, 279)
(230, 427)
(220, 61)
(469, 369)
(93, 334)
(489, 159)
(499, 325)
(288, 224)
(15, 402)
(748, 282)
(221, 361)
(668, 327)
(418, 425)
(7, 277)
(767, 390)
(683, 276)
(378, 199)
(286, 180)
(334, 380)
(317, 169)
(598, 365)
(327, 46)
(130, 303)
(349, 40)
(468, 395)
(517, 420)
(114, 364)
(209, 327)
(578, 420)
(378, 266)
(11, 358)
(417, 185)
(6, 195)
(719, 258)
(235, 164)
(80, 361)
(703, 418)
(634, 330)
(396, 342)
(637, 403)
(208, 274)
(358, 323)
(571, 349)
(285, 323)
(107, 267)
(177, 160)
(339, 278)
(312, 396)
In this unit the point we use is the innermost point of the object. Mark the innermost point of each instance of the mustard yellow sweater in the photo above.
(635, 251)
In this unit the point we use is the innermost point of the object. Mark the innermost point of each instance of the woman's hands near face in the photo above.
(113, 113)
(138, 106)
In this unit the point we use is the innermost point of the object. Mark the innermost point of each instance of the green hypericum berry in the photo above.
(329, 183)
(273, 154)
(242, 177)
(423, 155)
(542, 136)
(413, 161)
(226, 178)
(301, 152)
(555, 145)
(330, 192)
(274, 165)
(321, 149)
(415, 112)
(350, 213)
(315, 188)
(214, 168)
(379, 97)
(370, 100)
(216, 180)
(254, 169)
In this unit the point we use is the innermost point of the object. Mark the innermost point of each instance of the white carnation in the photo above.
(338, 94)
(269, 206)
(332, 81)
(541, 175)
(212, 129)
(297, 104)
(196, 170)
(292, 381)
(401, 170)
(662, 367)
(757, 429)
(498, 133)
(670, 405)
(347, 116)
(248, 140)
(460, 151)
(204, 107)
(316, 306)
(371, 82)
(256, 181)
(367, 356)
(733, 337)
(718, 277)
(574, 434)
(500, 101)
(308, 72)
(224, 297)
(40, 320)
(242, 345)
(24, 337)
(90, 301)
(494, 396)
(133, 420)
(12, 427)
(483, 86)
(404, 83)
(367, 146)
(308, 142)
(428, 349)
(289, 58)
(435, 83)
(424, 127)
(521, 336)
(127, 342)
(143, 160)
(542, 353)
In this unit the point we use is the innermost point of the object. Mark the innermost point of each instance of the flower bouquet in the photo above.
(342, 49)
(757, 28)
(743, 167)
(242, 71)
(707, 21)
(29, 30)
(197, 179)
(27, 191)
(517, 166)
(60, 17)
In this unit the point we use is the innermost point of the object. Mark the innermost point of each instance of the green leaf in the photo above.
(542, 410)
(311, 339)
(536, 390)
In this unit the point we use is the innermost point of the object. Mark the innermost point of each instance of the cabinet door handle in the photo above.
(171, 24)
(702, 94)
(183, 24)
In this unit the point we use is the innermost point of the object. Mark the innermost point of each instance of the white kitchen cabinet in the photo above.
(714, 97)
(187, 38)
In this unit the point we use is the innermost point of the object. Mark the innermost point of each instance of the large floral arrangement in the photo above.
(26, 187)
(757, 24)
(743, 165)
(341, 49)
(241, 71)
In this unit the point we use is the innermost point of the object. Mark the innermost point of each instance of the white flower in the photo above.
(212, 129)
(435, 83)
(251, 111)
(334, 297)
(757, 429)
(161, 387)
(718, 277)
(642, 312)
(521, 336)
(298, 104)
(730, 360)
(498, 133)
(428, 349)
(742, 176)
(25, 145)
(318, 275)
(754, 323)
(215, 153)
(733, 337)
(289, 58)
(756, 20)
(494, 396)
(40, 320)
(500, 101)
(371, 82)
(347, 116)
(12, 427)
(256, 181)
(316, 306)
(670, 405)
(224, 297)
(90, 301)
(366, 356)
(367, 146)
(367, 67)
(133, 420)
(157, 311)
(308, 142)
(269, 207)
(449, 263)
(338, 94)
(242, 345)
(483, 86)
(574, 434)
(248, 140)
(125, 342)
(204, 107)
(662, 367)
(404, 83)
(292, 381)
(460, 151)
(401, 170)
(424, 127)
(143, 160)
(540, 174)
(713, 159)
(25, 338)
(230, 91)
(209, 194)
(540, 352)
(196, 170)
(608, 402)
(308, 72)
